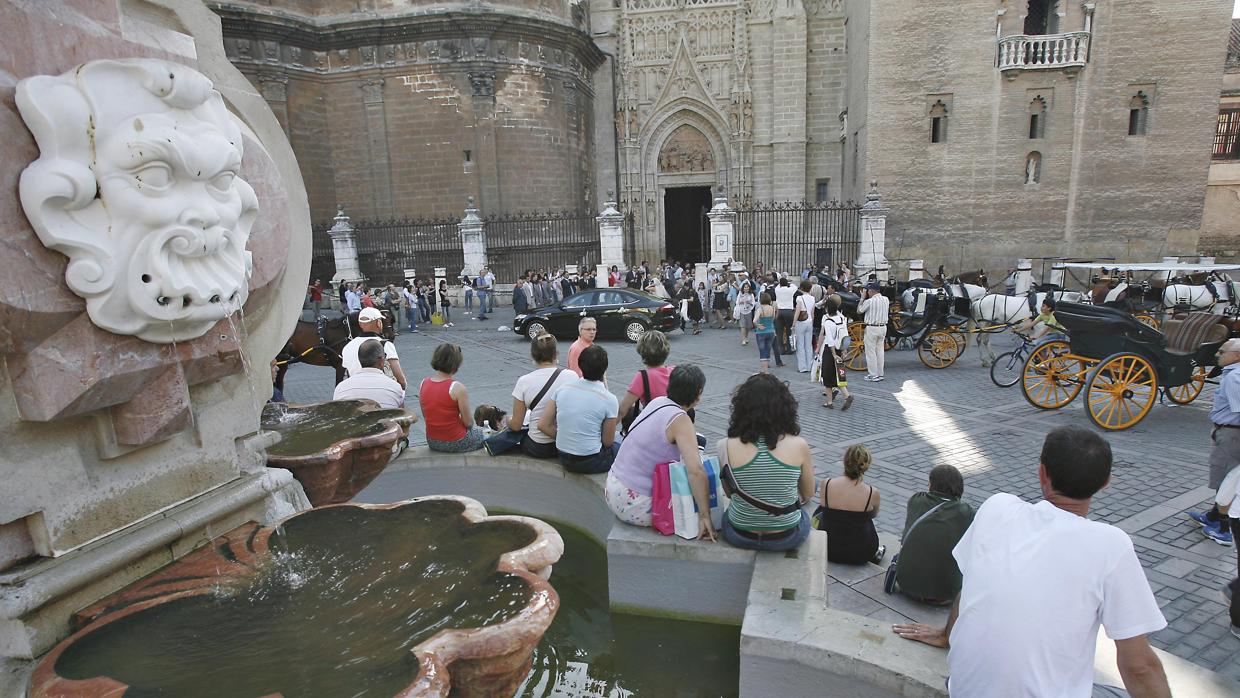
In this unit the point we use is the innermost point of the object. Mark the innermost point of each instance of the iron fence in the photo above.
(789, 235)
(322, 260)
(520, 241)
(385, 249)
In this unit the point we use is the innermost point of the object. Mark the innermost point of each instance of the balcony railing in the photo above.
(1044, 52)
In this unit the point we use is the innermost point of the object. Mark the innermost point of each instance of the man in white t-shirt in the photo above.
(875, 309)
(370, 382)
(1038, 581)
(370, 320)
(784, 294)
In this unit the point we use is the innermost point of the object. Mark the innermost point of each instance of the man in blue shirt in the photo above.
(582, 417)
(1225, 438)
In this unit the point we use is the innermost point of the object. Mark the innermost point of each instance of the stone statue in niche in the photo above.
(687, 150)
(137, 184)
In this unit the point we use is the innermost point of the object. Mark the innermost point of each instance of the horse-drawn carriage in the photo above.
(1149, 290)
(933, 326)
(1122, 363)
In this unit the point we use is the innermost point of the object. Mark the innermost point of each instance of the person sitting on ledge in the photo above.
(450, 424)
(369, 382)
(934, 522)
(772, 467)
(662, 433)
(581, 416)
(1038, 581)
(653, 347)
(532, 393)
(851, 537)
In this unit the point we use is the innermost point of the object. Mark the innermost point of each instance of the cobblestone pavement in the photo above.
(914, 420)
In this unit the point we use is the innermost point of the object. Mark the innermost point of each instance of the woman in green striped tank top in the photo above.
(772, 467)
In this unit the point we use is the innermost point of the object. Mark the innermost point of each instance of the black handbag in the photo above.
(626, 422)
(510, 438)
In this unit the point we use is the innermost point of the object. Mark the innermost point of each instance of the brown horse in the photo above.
(321, 347)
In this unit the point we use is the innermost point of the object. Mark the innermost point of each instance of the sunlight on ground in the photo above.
(935, 425)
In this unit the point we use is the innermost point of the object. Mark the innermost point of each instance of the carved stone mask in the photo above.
(137, 185)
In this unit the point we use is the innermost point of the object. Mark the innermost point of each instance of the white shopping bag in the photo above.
(815, 373)
(684, 509)
(718, 500)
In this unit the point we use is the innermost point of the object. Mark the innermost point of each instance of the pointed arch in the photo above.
(677, 113)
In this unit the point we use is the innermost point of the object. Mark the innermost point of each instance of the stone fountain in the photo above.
(155, 251)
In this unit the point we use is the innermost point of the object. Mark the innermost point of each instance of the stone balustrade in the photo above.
(1044, 52)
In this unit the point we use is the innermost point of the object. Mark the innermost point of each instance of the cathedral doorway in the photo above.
(686, 224)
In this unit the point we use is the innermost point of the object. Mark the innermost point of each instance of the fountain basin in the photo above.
(416, 598)
(336, 448)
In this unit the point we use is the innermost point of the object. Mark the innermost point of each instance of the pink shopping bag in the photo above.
(661, 516)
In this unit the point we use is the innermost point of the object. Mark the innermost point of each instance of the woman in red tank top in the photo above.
(445, 405)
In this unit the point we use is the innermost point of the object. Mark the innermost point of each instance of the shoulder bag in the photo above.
(626, 422)
(508, 439)
(732, 488)
(889, 582)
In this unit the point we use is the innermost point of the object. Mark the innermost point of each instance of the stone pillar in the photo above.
(473, 240)
(873, 234)
(1205, 260)
(610, 237)
(1170, 260)
(1024, 276)
(722, 220)
(1058, 272)
(916, 269)
(883, 272)
(344, 248)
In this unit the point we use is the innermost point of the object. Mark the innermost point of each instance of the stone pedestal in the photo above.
(1024, 276)
(344, 249)
(1205, 260)
(1058, 272)
(1170, 260)
(873, 236)
(473, 240)
(916, 269)
(722, 219)
(610, 238)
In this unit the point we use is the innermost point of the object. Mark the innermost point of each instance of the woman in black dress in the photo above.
(830, 352)
(851, 537)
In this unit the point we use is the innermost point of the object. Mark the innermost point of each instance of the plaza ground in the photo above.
(913, 421)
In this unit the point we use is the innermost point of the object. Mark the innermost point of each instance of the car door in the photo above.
(609, 309)
(564, 321)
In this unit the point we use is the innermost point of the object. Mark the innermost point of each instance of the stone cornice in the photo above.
(373, 32)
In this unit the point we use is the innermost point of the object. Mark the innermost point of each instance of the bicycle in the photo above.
(1006, 369)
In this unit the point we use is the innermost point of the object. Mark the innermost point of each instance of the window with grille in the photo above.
(822, 190)
(1037, 118)
(938, 122)
(1138, 114)
(1227, 137)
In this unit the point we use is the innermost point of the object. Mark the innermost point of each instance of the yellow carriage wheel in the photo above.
(1184, 394)
(1050, 379)
(894, 310)
(1146, 319)
(939, 349)
(854, 358)
(1121, 391)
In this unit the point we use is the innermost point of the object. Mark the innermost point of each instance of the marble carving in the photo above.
(137, 184)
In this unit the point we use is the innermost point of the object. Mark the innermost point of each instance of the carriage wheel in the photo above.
(890, 342)
(939, 349)
(1050, 380)
(897, 320)
(1121, 391)
(854, 358)
(1184, 394)
(1146, 319)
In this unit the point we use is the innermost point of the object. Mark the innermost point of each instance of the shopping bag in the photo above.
(718, 500)
(792, 341)
(841, 377)
(684, 510)
(436, 319)
(661, 501)
(815, 373)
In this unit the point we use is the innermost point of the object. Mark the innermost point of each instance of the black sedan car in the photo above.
(620, 312)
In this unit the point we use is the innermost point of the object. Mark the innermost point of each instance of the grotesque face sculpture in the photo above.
(137, 183)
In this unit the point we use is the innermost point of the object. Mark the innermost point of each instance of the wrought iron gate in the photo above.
(790, 235)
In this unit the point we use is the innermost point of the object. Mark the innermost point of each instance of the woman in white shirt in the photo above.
(746, 303)
(831, 349)
(803, 327)
(784, 294)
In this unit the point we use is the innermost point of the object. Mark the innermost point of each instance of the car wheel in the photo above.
(634, 330)
(534, 329)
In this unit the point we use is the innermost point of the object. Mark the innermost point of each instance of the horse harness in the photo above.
(332, 349)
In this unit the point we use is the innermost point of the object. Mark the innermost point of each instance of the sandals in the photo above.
(829, 405)
(878, 554)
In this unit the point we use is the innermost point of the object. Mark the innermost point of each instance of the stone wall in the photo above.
(1220, 223)
(409, 114)
(1100, 192)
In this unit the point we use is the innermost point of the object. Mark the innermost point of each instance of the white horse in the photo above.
(996, 309)
(1200, 297)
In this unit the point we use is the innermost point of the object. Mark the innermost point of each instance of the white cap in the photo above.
(369, 315)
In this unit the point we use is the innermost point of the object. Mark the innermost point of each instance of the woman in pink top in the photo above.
(663, 433)
(653, 347)
(445, 405)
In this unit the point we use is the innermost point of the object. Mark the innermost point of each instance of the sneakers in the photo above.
(1200, 518)
(1216, 534)
(1235, 630)
(872, 379)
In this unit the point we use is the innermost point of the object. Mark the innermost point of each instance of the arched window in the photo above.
(1037, 117)
(1033, 168)
(1042, 17)
(938, 122)
(1138, 114)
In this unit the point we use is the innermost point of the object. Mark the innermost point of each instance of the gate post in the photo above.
(1024, 276)
(610, 238)
(1058, 272)
(473, 240)
(873, 254)
(344, 249)
(722, 223)
(916, 269)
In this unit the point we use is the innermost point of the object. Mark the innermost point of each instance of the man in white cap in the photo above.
(875, 309)
(1224, 439)
(370, 321)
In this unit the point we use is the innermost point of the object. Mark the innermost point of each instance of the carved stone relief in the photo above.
(482, 83)
(137, 184)
(372, 90)
(686, 150)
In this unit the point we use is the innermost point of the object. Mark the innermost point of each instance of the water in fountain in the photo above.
(308, 431)
(334, 613)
